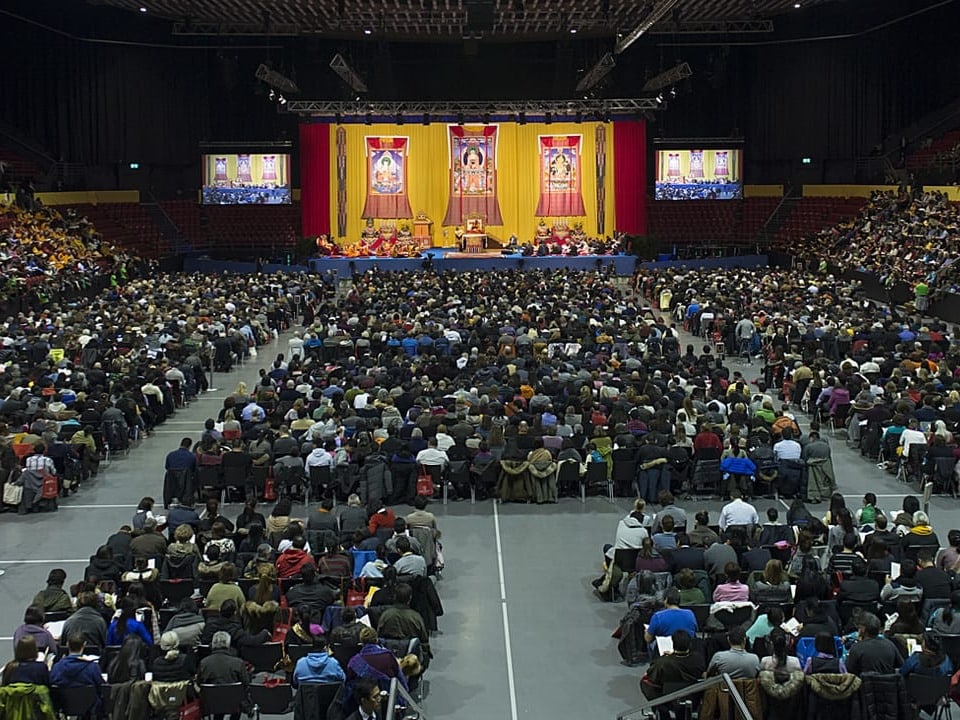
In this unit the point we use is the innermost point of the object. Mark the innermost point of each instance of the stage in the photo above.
(443, 259)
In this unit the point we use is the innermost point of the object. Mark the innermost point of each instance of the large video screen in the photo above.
(698, 174)
(246, 179)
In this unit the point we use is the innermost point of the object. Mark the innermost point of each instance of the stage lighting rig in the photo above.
(668, 78)
(657, 12)
(347, 74)
(277, 81)
(597, 73)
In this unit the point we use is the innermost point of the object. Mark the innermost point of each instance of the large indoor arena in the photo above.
(577, 358)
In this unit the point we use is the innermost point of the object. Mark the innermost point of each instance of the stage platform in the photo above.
(443, 260)
(621, 264)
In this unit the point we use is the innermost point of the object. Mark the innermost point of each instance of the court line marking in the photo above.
(511, 682)
(43, 562)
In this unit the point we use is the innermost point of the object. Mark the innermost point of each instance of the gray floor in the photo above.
(564, 662)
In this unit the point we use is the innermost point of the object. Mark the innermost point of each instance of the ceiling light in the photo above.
(660, 97)
(142, 9)
(368, 31)
(673, 92)
(573, 31)
(272, 95)
(282, 100)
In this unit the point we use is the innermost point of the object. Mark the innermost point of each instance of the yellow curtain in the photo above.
(428, 176)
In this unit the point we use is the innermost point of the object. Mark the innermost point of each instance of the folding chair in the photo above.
(74, 701)
(264, 658)
(273, 700)
(597, 477)
(707, 476)
(931, 691)
(221, 699)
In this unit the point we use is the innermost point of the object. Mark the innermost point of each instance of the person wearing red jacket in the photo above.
(294, 558)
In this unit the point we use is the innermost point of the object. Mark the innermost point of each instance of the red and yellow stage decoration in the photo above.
(560, 176)
(335, 183)
(473, 175)
(387, 178)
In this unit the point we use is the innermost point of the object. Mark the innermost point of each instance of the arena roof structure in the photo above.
(421, 20)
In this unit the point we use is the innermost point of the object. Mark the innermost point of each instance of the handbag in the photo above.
(51, 487)
(190, 710)
(269, 489)
(424, 482)
(12, 494)
(357, 594)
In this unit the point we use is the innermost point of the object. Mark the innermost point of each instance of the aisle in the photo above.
(32, 545)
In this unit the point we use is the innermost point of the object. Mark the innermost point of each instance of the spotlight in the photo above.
(142, 9)
(660, 98)
(673, 92)
(573, 31)
(282, 100)
(368, 31)
(272, 95)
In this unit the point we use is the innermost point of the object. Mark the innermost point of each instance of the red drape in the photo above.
(314, 179)
(630, 176)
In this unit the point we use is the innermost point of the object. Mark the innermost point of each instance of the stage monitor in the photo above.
(698, 172)
(246, 178)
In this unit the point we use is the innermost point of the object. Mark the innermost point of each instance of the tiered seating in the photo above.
(756, 212)
(128, 225)
(186, 216)
(813, 214)
(691, 221)
(946, 148)
(252, 230)
(713, 220)
(19, 169)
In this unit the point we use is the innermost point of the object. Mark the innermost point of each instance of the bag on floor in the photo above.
(12, 494)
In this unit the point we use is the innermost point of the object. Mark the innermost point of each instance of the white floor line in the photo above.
(43, 562)
(63, 506)
(511, 683)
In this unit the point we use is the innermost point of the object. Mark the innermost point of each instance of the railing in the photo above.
(412, 710)
(698, 687)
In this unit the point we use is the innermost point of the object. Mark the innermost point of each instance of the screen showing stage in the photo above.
(698, 174)
(246, 179)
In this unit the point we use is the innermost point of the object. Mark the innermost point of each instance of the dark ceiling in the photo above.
(424, 20)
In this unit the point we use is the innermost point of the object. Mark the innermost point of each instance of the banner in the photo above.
(696, 163)
(473, 175)
(387, 178)
(560, 178)
(601, 179)
(341, 182)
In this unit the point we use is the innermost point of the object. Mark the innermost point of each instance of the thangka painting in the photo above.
(473, 175)
(696, 163)
(720, 167)
(673, 165)
(243, 169)
(560, 177)
(387, 178)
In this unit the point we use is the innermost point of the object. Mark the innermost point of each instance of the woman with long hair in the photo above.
(773, 586)
(25, 668)
(946, 620)
(126, 623)
(779, 659)
(128, 665)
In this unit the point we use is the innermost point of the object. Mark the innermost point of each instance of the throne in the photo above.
(474, 235)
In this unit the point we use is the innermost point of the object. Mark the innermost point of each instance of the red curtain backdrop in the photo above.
(314, 179)
(630, 176)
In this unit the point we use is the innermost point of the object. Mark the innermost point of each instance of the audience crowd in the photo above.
(509, 384)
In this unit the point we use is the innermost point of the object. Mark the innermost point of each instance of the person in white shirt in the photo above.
(787, 448)
(911, 436)
(444, 441)
(738, 512)
(320, 456)
(432, 455)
